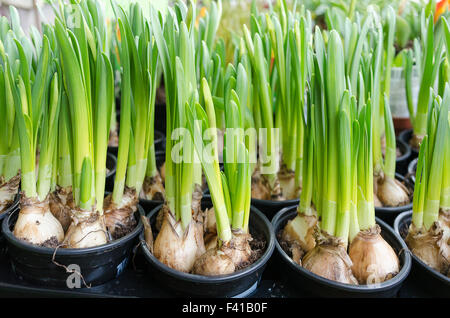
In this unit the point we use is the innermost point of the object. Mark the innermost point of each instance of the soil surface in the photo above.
(258, 246)
(122, 230)
(51, 242)
(285, 245)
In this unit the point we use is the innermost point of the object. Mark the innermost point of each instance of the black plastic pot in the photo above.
(270, 208)
(405, 136)
(97, 265)
(403, 161)
(149, 205)
(11, 208)
(388, 214)
(429, 279)
(5, 213)
(111, 165)
(239, 284)
(159, 141)
(319, 286)
(160, 117)
(412, 169)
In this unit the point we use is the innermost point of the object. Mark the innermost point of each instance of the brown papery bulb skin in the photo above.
(287, 183)
(176, 248)
(197, 219)
(376, 202)
(300, 231)
(113, 140)
(163, 172)
(160, 218)
(260, 189)
(209, 221)
(391, 192)
(119, 218)
(210, 241)
(8, 191)
(415, 141)
(444, 222)
(61, 205)
(330, 260)
(374, 260)
(153, 188)
(213, 262)
(148, 233)
(430, 246)
(276, 194)
(238, 248)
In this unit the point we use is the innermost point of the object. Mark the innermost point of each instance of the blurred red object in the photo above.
(441, 7)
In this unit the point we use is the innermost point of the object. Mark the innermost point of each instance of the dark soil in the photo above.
(158, 197)
(284, 244)
(410, 187)
(403, 230)
(258, 246)
(288, 246)
(123, 229)
(51, 242)
(398, 48)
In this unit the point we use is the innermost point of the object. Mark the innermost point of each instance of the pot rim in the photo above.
(407, 150)
(160, 138)
(67, 251)
(194, 278)
(405, 132)
(403, 136)
(411, 168)
(11, 208)
(395, 209)
(432, 271)
(398, 279)
(113, 170)
(273, 203)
